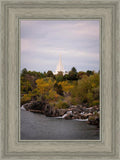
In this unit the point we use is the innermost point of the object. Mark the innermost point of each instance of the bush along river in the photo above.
(40, 121)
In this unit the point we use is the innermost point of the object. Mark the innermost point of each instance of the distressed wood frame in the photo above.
(12, 11)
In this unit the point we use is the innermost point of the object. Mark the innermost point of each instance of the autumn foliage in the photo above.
(58, 90)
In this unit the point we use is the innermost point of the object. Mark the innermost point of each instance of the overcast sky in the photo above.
(76, 41)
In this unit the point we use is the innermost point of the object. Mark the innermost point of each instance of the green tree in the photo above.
(73, 74)
(58, 89)
(65, 77)
(87, 90)
(59, 77)
(50, 74)
(74, 70)
(45, 74)
(24, 71)
(89, 72)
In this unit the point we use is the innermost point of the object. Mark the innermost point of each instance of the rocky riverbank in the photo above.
(73, 112)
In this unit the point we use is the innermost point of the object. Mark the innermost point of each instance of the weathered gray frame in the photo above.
(107, 12)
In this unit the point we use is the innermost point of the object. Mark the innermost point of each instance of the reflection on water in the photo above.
(35, 126)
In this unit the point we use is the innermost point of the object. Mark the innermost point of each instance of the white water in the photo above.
(22, 107)
(67, 114)
(64, 115)
(82, 113)
(82, 120)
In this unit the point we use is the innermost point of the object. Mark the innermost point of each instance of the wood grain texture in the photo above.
(107, 12)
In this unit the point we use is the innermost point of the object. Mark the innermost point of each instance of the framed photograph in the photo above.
(60, 79)
(62, 99)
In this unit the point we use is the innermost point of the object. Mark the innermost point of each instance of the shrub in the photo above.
(96, 102)
(91, 118)
(87, 90)
(58, 89)
(26, 98)
(65, 105)
(62, 105)
(74, 101)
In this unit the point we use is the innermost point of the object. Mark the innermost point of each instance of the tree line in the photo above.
(60, 90)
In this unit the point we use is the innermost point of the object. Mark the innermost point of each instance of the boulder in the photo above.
(68, 116)
(34, 105)
(94, 119)
(61, 112)
(73, 112)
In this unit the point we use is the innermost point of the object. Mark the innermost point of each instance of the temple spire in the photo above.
(60, 68)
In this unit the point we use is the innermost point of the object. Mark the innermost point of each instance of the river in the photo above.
(35, 126)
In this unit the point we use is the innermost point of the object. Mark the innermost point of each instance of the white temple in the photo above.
(60, 68)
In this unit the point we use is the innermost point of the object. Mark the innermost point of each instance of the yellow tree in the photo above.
(66, 86)
(44, 86)
(52, 95)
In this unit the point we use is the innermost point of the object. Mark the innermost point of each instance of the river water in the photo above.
(35, 126)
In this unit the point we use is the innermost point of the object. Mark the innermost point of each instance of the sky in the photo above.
(43, 41)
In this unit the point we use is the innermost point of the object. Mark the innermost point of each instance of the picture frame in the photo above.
(108, 14)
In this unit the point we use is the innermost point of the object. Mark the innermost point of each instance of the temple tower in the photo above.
(60, 68)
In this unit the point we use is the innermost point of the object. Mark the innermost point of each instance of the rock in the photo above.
(89, 114)
(40, 107)
(44, 108)
(76, 117)
(61, 111)
(73, 112)
(68, 116)
(34, 105)
(48, 111)
(35, 111)
(94, 119)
